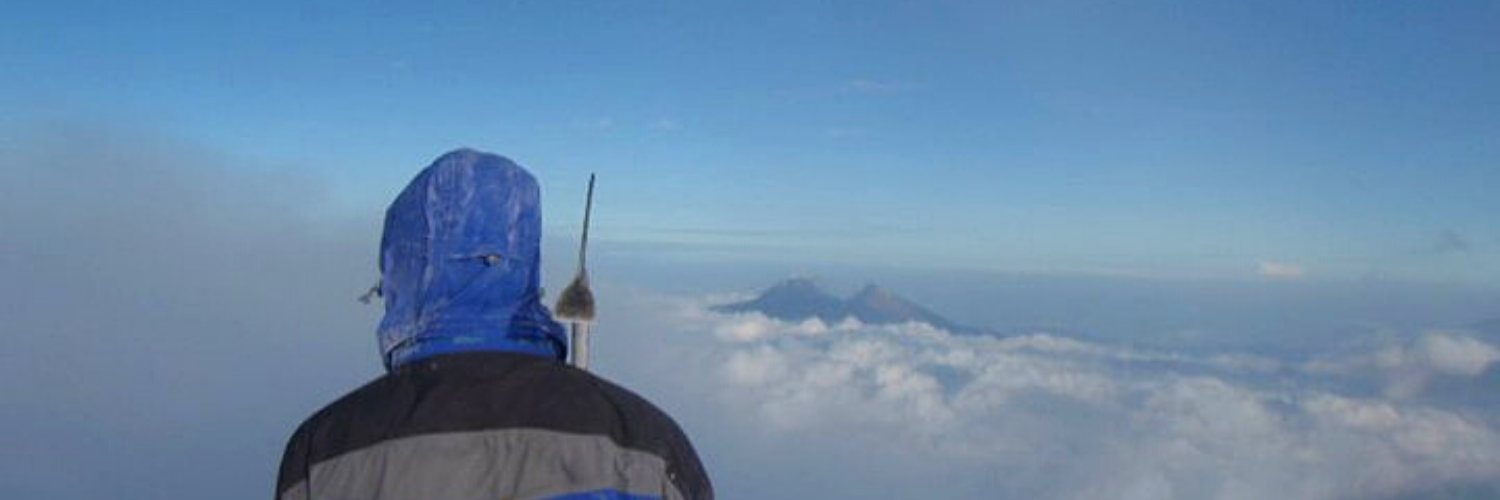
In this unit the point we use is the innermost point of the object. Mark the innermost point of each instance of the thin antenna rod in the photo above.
(588, 209)
(576, 304)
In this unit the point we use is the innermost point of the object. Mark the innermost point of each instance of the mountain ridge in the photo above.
(800, 298)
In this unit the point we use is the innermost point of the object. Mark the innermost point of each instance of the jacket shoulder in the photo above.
(493, 394)
(310, 442)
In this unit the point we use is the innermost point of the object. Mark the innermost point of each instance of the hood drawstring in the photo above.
(371, 294)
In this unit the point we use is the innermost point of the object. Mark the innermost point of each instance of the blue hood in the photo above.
(460, 263)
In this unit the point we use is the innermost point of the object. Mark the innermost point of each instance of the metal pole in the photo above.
(576, 304)
(581, 345)
(583, 243)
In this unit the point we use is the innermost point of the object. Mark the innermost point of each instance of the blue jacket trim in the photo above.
(603, 495)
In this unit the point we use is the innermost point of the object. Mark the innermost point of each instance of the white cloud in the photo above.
(1456, 355)
(1281, 270)
(1057, 417)
(1406, 369)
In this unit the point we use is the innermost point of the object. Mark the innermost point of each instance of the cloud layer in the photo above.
(1045, 416)
(172, 314)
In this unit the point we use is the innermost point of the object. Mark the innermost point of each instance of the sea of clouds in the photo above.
(174, 314)
(1047, 416)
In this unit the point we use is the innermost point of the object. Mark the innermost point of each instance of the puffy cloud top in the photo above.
(1046, 416)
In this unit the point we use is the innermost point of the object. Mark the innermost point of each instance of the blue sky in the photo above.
(1332, 140)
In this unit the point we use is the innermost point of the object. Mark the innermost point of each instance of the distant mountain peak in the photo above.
(798, 282)
(876, 304)
(875, 292)
(799, 298)
(793, 299)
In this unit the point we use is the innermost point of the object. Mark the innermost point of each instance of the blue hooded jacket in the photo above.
(499, 416)
(460, 263)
